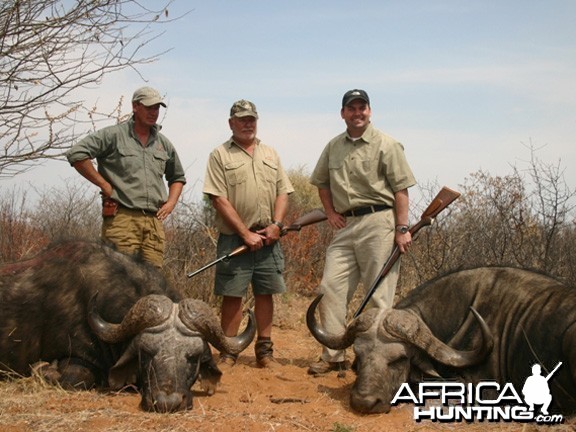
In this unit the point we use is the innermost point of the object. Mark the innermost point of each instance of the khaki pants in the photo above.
(357, 253)
(133, 232)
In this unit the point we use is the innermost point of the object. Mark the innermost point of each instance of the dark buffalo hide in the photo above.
(95, 317)
(435, 332)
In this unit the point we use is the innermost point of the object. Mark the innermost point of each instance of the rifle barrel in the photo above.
(442, 200)
(310, 218)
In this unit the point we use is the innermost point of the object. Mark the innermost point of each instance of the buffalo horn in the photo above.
(197, 316)
(147, 312)
(335, 341)
(411, 328)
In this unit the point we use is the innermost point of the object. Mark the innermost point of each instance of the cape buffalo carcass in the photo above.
(88, 316)
(530, 319)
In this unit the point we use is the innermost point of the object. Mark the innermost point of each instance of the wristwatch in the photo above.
(402, 229)
(278, 224)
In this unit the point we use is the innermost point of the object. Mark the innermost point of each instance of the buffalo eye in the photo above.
(398, 362)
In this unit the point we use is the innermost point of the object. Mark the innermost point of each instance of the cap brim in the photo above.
(150, 102)
(246, 114)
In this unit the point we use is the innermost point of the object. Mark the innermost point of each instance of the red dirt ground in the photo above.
(248, 399)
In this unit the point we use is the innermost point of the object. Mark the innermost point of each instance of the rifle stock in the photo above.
(442, 200)
(309, 218)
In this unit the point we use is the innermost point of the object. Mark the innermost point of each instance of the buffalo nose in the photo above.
(169, 403)
(369, 404)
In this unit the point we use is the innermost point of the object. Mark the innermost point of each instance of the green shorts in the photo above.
(262, 268)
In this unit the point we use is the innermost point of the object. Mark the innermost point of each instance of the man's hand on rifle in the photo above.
(404, 241)
(270, 234)
(253, 240)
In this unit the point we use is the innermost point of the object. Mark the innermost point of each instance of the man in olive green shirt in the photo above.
(363, 179)
(133, 157)
(249, 190)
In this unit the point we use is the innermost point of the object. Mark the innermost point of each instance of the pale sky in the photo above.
(464, 85)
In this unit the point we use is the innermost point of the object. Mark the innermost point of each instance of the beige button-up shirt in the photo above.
(363, 172)
(250, 183)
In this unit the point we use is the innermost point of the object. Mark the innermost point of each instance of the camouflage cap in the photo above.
(148, 96)
(351, 95)
(243, 108)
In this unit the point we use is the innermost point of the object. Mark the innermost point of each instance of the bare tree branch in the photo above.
(49, 49)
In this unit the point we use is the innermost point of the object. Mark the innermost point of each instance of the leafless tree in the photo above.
(49, 49)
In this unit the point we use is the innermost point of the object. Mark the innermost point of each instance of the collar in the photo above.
(230, 143)
(153, 130)
(366, 136)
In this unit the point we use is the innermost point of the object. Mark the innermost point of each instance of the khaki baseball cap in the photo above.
(148, 96)
(243, 108)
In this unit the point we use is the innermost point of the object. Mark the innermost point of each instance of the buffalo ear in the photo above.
(123, 373)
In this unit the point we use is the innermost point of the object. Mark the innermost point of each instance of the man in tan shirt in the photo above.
(249, 190)
(363, 179)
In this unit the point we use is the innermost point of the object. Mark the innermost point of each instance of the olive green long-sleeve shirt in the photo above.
(135, 172)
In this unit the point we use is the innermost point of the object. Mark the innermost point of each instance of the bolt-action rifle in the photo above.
(309, 218)
(442, 200)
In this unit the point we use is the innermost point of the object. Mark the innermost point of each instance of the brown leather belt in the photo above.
(361, 211)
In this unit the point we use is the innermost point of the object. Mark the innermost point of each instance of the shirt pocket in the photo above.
(130, 158)
(335, 165)
(235, 173)
(337, 171)
(160, 158)
(364, 172)
(270, 171)
(369, 169)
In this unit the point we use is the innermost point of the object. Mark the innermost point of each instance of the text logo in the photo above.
(485, 401)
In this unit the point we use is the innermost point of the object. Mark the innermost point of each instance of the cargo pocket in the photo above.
(278, 257)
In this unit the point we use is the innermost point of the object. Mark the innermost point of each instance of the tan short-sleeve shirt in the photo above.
(250, 183)
(363, 172)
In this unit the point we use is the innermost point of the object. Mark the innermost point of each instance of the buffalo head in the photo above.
(390, 344)
(168, 349)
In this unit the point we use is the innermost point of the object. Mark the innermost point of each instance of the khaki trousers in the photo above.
(357, 254)
(133, 232)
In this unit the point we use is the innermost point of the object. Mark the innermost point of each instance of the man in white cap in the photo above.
(132, 158)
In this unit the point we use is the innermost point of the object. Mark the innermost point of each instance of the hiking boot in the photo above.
(226, 361)
(322, 367)
(265, 354)
(268, 362)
